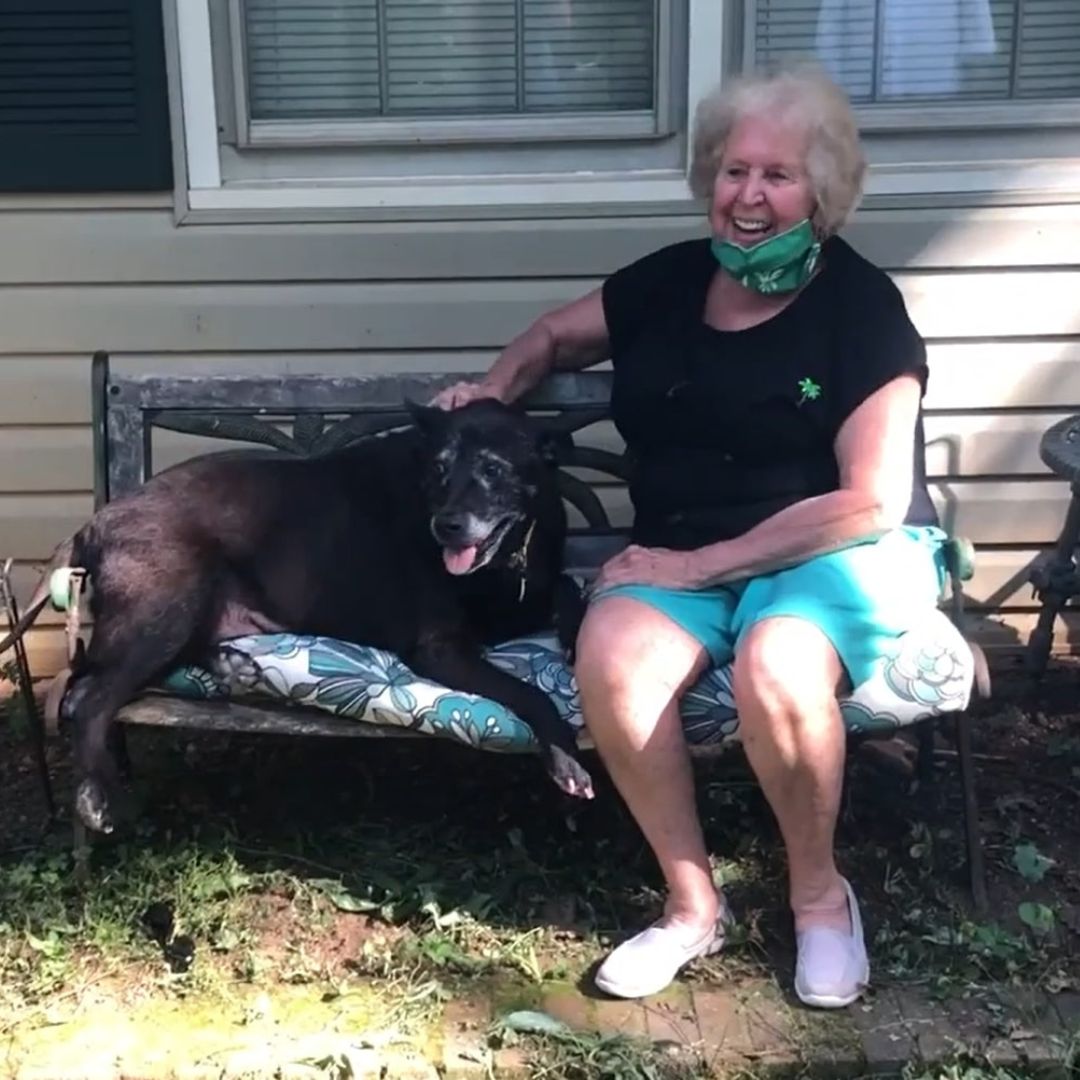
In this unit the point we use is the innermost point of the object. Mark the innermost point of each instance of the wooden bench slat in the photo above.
(269, 718)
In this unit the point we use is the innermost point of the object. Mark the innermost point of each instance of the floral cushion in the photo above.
(928, 673)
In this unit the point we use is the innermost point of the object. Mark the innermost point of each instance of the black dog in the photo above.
(427, 542)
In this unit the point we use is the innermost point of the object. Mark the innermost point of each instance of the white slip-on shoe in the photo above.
(647, 962)
(832, 968)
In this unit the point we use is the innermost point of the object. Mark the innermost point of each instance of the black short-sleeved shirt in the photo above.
(725, 428)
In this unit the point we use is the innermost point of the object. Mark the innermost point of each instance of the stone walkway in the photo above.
(751, 1030)
(755, 1028)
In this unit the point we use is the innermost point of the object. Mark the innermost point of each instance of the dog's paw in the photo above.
(568, 774)
(92, 806)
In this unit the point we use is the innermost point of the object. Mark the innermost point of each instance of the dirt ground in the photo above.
(329, 862)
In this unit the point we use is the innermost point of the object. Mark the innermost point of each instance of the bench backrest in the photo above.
(304, 414)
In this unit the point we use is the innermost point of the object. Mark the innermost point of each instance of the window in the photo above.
(369, 61)
(82, 97)
(300, 109)
(915, 51)
(340, 72)
(424, 106)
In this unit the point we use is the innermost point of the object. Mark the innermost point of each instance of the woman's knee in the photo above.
(626, 647)
(785, 665)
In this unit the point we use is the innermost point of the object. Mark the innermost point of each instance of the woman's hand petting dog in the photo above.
(636, 565)
(461, 393)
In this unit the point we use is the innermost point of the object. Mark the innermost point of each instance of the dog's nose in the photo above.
(450, 527)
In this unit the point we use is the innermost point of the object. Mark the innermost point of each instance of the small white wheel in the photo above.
(60, 588)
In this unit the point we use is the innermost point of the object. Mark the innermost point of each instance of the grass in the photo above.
(51, 931)
(264, 891)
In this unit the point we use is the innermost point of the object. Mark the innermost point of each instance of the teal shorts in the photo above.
(861, 598)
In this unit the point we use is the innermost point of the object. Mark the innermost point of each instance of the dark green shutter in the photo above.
(83, 100)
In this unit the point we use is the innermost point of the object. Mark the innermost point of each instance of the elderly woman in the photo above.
(768, 385)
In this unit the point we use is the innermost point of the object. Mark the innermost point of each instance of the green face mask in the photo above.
(780, 264)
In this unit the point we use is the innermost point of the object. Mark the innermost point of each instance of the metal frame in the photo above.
(1055, 574)
(26, 689)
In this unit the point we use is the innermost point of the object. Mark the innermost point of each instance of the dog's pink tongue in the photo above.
(459, 562)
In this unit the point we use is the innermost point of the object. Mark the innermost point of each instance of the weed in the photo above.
(563, 1054)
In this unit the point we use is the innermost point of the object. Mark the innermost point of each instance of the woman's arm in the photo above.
(569, 338)
(875, 454)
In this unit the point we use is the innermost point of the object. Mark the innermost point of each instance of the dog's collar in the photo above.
(519, 560)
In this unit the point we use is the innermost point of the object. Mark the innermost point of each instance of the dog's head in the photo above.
(486, 465)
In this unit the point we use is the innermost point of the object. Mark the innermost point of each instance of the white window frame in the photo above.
(388, 131)
(937, 177)
(205, 192)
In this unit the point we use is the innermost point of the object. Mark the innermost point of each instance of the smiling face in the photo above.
(762, 187)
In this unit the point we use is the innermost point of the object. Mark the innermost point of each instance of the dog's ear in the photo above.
(430, 419)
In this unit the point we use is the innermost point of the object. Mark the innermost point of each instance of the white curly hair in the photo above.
(806, 99)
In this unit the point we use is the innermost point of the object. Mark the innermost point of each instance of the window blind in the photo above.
(310, 59)
(897, 50)
(1048, 61)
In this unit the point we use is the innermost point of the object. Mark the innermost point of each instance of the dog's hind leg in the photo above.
(451, 663)
(128, 649)
(89, 706)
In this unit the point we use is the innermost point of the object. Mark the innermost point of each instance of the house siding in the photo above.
(993, 290)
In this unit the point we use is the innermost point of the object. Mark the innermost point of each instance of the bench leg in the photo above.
(976, 863)
(1054, 577)
(1042, 637)
(924, 768)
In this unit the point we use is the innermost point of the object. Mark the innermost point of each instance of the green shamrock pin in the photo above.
(809, 390)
